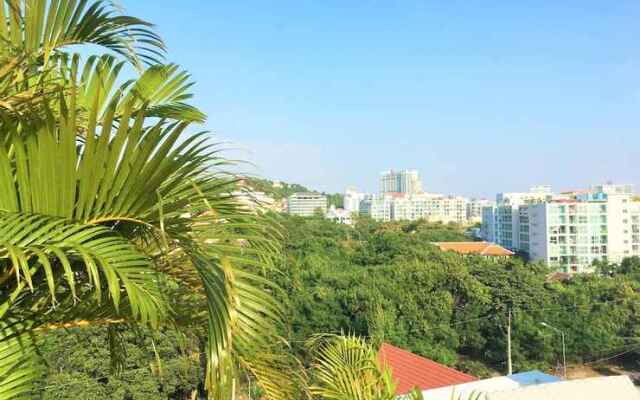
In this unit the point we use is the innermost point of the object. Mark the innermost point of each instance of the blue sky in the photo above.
(480, 96)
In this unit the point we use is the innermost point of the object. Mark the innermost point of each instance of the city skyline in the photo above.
(480, 97)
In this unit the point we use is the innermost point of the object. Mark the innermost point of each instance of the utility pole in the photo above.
(564, 348)
(564, 356)
(509, 364)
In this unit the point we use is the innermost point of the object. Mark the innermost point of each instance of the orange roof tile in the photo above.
(410, 370)
(480, 248)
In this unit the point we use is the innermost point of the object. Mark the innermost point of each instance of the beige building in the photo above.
(307, 204)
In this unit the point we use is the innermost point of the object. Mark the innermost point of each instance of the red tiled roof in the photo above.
(481, 248)
(410, 370)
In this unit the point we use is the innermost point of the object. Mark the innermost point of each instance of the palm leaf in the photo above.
(346, 368)
(20, 365)
(32, 244)
(40, 27)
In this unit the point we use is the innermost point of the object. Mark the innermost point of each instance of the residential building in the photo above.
(352, 200)
(381, 207)
(504, 216)
(364, 208)
(407, 181)
(428, 206)
(611, 188)
(339, 215)
(569, 233)
(474, 209)
(307, 204)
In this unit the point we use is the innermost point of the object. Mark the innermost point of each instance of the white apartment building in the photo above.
(569, 233)
(380, 207)
(307, 204)
(474, 209)
(500, 223)
(407, 181)
(431, 207)
(352, 200)
(339, 215)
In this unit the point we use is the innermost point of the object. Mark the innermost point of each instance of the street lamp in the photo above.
(564, 353)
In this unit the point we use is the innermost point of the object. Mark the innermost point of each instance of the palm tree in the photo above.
(347, 368)
(111, 211)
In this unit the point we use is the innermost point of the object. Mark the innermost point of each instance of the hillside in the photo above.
(279, 190)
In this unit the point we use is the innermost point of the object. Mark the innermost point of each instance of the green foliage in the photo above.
(335, 199)
(109, 197)
(283, 190)
(79, 365)
(388, 283)
(347, 368)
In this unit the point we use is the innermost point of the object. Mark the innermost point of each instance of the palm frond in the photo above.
(346, 368)
(36, 244)
(41, 27)
(20, 365)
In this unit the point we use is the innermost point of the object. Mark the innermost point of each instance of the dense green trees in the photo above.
(386, 282)
(155, 365)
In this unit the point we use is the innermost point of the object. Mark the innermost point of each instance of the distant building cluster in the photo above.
(401, 198)
(569, 230)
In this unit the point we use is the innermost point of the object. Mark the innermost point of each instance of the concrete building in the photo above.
(427, 206)
(340, 215)
(569, 234)
(307, 204)
(504, 216)
(352, 200)
(407, 181)
(474, 209)
(256, 201)
(380, 207)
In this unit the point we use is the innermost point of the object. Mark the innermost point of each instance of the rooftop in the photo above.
(410, 370)
(479, 248)
(609, 387)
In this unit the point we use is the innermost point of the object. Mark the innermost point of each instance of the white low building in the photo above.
(340, 215)
(505, 388)
(427, 206)
(256, 201)
(307, 204)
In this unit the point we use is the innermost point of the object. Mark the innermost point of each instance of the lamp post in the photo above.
(564, 353)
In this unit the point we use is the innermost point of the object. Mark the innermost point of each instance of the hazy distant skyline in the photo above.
(479, 96)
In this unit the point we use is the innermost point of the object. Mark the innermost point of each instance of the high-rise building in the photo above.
(307, 204)
(504, 216)
(407, 181)
(352, 200)
(474, 209)
(569, 233)
(401, 198)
